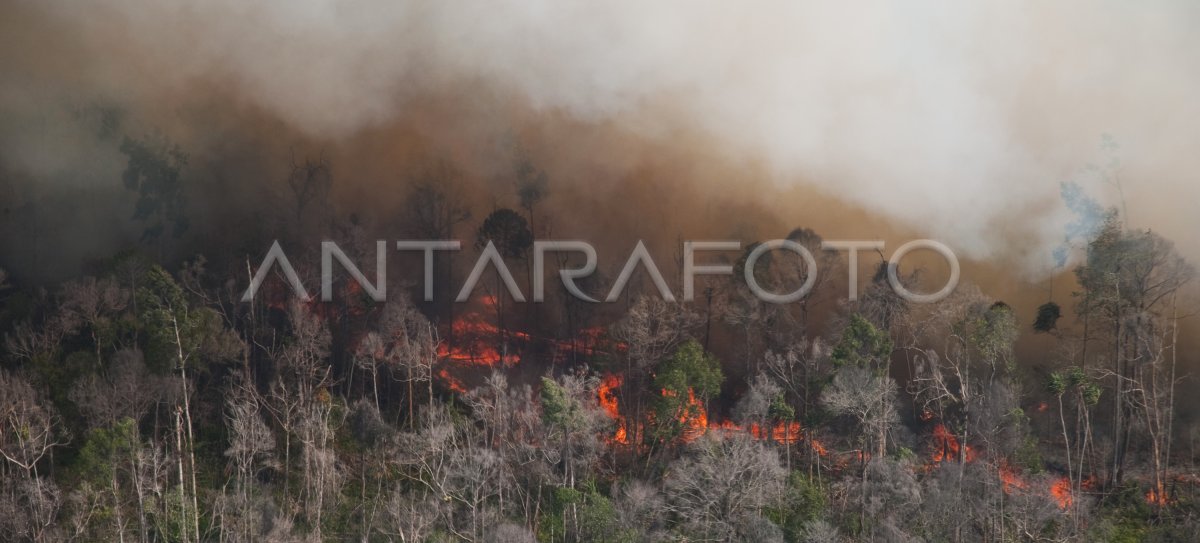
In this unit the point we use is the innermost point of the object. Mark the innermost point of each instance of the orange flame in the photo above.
(608, 401)
(1158, 496)
(1011, 479)
(693, 416)
(946, 446)
(608, 397)
(1061, 491)
(475, 343)
(818, 447)
(451, 382)
(782, 432)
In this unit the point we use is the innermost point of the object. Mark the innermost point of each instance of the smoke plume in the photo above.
(952, 121)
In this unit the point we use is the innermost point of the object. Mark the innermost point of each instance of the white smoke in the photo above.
(957, 119)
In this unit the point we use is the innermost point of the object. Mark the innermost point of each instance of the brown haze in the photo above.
(680, 120)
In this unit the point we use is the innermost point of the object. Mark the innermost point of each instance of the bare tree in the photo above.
(29, 509)
(642, 509)
(38, 341)
(723, 482)
(30, 425)
(94, 302)
(1127, 282)
(434, 209)
(410, 516)
(410, 343)
(962, 346)
(323, 473)
(869, 398)
(369, 357)
(126, 390)
(29, 431)
(251, 449)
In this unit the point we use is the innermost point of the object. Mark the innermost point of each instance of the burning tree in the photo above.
(687, 381)
(650, 331)
(963, 347)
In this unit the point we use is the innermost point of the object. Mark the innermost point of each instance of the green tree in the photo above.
(687, 381)
(182, 335)
(803, 502)
(105, 462)
(863, 345)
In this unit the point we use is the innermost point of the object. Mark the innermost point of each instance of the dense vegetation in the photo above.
(144, 405)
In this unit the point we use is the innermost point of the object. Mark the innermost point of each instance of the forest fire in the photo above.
(608, 400)
(782, 432)
(692, 416)
(474, 341)
(543, 272)
(695, 419)
(1158, 496)
(818, 447)
(451, 382)
(1011, 479)
(1061, 491)
(477, 341)
(946, 446)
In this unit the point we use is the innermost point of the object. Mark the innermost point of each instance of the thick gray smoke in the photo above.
(959, 121)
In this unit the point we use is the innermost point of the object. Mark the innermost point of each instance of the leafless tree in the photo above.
(410, 517)
(410, 343)
(867, 397)
(126, 390)
(29, 430)
(30, 425)
(653, 328)
(31, 341)
(323, 474)
(301, 403)
(94, 303)
(1129, 279)
(724, 481)
(642, 509)
(29, 509)
(369, 357)
(302, 378)
(83, 506)
(251, 449)
(962, 346)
